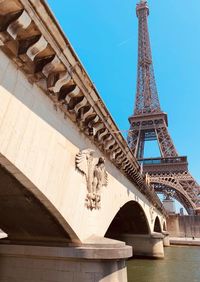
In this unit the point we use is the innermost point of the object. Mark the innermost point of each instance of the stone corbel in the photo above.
(87, 114)
(112, 152)
(119, 157)
(94, 120)
(76, 92)
(128, 169)
(20, 24)
(9, 6)
(97, 127)
(107, 139)
(125, 164)
(36, 48)
(61, 79)
(109, 144)
(80, 105)
(121, 160)
(118, 151)
(102, 134)
(55, 66)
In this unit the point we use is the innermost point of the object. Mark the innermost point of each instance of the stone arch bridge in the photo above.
(51, 113)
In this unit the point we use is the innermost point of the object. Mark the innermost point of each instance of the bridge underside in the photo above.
(24, 218)
(130, 219)
(131, 226)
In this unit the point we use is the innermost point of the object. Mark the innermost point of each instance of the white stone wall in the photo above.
(37, 140)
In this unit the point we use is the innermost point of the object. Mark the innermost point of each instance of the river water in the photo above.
(181, 264)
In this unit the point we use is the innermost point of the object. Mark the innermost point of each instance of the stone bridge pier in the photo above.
(42, 246)
(136, 231)
(102, 261)
(96, 259)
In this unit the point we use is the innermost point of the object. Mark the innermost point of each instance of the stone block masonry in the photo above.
(184, 226)
(61, 264)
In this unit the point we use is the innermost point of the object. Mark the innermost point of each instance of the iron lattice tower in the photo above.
(169, 172)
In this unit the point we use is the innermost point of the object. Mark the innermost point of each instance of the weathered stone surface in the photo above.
(31, 263)
(38, 148)
(183, 226)
(146, 245)
(32, 38)
(49, 112)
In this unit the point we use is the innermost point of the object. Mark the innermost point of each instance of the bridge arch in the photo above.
(157, 225)
(26, 215)
(130, 219)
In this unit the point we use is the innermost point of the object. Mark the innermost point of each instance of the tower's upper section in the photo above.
(147, 101)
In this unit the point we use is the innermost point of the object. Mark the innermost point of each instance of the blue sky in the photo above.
(104, 36)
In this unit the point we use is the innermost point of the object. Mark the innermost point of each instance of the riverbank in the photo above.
(184, 241)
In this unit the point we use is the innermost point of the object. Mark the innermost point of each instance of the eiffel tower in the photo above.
(168, 173)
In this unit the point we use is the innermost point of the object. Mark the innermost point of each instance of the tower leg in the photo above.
(165, 142)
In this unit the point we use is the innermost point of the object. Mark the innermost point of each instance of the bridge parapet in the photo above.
(32, 38)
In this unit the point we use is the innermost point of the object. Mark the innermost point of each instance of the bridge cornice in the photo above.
(34, 40)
